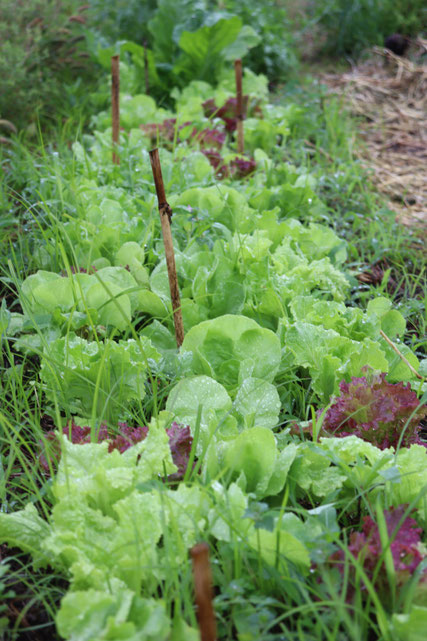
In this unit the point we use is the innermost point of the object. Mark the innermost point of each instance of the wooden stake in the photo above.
(239, 107)
(165, 218)
(147, 88)
(115, 87)
(203, 589)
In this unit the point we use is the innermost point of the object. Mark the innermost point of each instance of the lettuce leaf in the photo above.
(81, 374)
(26, 530)
(232, 348)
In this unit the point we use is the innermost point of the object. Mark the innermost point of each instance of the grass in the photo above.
(254, 599)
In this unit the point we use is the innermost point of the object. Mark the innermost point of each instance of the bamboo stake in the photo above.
(239, 106)
(399, 353)
(165, 213)
(147, 88)
(203, 591)
(115, 86)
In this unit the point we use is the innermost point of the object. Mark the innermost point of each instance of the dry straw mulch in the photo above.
(389, 93)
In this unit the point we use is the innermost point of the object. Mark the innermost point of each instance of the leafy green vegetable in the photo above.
(100, 376)
(410, 626)
(232, 348)
(26, 530)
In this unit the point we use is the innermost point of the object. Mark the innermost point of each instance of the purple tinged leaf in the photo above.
(180, 441)
(375, 411)
(406, 549)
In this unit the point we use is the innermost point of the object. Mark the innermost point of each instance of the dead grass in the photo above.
(389, 94)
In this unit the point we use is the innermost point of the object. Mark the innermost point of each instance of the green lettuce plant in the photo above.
(94, 378)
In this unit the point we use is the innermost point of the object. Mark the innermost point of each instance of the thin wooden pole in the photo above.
(239, 107)
(115, 89)
(203, 591)
(147, 88)
(165, 218)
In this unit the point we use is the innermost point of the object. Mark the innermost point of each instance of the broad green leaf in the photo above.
(283, 463)
(379, 306)
(136, 110)
(193, 392)
(282, 549)
(257, 403)
(246, 39)
(26, 530)
(81, 374)
(411, 626)
(398, 370)
(253, 453)
(312, 471)
(207, 44)
(152, 304)
(225, 517)
(113, 306)
(230, 345)
(309, 343)
(393, 323)
(412, 464)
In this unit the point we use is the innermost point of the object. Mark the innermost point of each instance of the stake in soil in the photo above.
(165, 218)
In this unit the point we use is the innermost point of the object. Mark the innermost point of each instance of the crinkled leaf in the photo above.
(26, 530)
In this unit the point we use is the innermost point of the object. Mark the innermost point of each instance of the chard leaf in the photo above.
(205, 47)
(246, 39)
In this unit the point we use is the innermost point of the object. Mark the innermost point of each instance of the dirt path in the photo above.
(389, 94)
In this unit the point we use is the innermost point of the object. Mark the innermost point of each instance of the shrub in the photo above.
(353, 25)
(41, 51)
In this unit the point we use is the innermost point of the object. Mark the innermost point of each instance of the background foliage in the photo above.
(353, 25)
(42, 50)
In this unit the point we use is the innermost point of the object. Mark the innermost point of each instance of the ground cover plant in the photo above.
(351, 27)
(42, 52)
(251, 435)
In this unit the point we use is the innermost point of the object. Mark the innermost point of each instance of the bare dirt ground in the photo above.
(388, 93)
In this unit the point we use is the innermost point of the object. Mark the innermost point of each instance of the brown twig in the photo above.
(239, 106)
(115, 87)
(203, 591)
(399, 353)
(165, 218)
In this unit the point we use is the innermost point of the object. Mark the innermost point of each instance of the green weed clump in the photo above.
(353, 25)
(41, 53)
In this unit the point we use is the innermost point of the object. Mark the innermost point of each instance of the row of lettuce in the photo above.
(263, 290)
